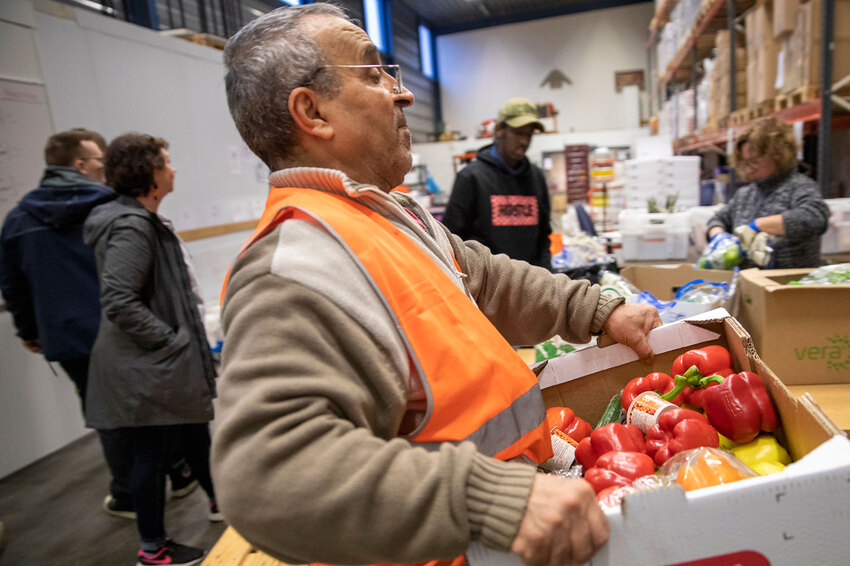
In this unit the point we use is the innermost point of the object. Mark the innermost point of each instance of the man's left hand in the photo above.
(630, 324)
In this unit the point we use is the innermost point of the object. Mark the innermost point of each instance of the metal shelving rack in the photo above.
(699, 45)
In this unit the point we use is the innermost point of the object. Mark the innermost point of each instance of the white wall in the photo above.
(113, 77)
(481, 69)
(39, 411)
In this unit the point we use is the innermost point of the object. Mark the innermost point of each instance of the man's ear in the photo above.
(304, 107)
(80, 165)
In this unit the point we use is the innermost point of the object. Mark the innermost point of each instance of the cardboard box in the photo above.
(784, 13)
(796, 517)
(800, 330)
(665, 279)
(840, 23)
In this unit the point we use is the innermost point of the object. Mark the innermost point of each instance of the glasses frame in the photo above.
(752, 161)
(102, 160)
(398, 88)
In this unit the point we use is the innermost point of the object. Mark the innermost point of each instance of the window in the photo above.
(375, 23)
(426, 54)
(291, 2)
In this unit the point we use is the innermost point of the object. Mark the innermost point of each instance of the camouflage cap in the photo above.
(519, 112)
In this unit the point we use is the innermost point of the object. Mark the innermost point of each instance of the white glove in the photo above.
(746, 234)
(760, 251)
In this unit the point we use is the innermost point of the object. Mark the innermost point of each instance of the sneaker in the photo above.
(215, 514)
(117, 509)
(183, 487)
(172, 554)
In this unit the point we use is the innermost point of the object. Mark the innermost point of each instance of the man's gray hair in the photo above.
(265, 61)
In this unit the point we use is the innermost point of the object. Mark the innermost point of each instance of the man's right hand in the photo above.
(563, 524)
(33, 346)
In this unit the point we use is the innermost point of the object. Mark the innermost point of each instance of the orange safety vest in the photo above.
(497, 404)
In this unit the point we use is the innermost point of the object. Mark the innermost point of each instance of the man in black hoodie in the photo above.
(501, 199)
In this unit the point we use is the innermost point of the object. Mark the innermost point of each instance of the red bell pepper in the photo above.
(678, 430)
(618, 469)
(692, 382)
(655, 381)
(739, 408)
(710, 360)
(612, 437)
(567, 421)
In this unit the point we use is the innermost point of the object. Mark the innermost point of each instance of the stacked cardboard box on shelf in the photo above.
(784, 18)
(720, 77)
(802, 46)
(762, 55)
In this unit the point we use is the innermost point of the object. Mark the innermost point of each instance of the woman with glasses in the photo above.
(780, 216)
(151, 373)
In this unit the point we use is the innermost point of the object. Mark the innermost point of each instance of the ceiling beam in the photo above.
(572, 8)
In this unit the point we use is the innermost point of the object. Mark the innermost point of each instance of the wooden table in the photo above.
(833, 399)
(233, 550)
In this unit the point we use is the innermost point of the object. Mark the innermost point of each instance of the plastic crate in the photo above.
(836, 240)
(654, 236)
(837, 237)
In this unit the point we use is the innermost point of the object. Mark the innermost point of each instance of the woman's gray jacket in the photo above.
(151, 362)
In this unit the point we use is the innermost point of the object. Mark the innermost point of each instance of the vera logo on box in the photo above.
(835, 351)
(742, 558)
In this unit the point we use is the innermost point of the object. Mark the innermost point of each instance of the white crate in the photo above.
(836, 240)
(654, 236)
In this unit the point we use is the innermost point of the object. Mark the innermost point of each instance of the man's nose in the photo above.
(404, 98)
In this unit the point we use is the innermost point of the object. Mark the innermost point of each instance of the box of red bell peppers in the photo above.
(713, 513)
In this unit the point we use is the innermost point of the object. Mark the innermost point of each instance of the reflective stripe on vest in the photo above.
(497, 404)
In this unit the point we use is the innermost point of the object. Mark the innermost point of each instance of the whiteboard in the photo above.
(25, 125)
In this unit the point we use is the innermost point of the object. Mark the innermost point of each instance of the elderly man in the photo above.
(501, 198)
(372, 408)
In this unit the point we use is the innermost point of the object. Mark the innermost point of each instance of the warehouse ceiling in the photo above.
(449, 16)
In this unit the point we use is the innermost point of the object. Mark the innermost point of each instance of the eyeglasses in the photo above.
(393, 71)
(99, 159)
(751, 162)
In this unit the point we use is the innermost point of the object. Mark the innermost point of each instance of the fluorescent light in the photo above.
(374, 23)
(425, 54)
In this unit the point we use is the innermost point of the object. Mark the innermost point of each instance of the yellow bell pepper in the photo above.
(763, 455)
(726, 443)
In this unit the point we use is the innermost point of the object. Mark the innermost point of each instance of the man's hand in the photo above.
(563, 525)
(33, 346)
(630, 323)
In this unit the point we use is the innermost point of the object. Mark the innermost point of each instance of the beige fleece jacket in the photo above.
(306, 455)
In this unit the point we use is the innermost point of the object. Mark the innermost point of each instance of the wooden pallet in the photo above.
(233, 550)
(763, 108)
(739, 117)
(207, 39)
(799, 96)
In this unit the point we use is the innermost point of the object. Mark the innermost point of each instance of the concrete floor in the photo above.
(51, 511)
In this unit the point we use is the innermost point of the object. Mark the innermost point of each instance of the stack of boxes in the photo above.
(800, 32)
(659, 178)
(720, 77)
(762, 53)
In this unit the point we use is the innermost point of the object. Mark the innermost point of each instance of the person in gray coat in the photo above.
(151, 371)
(780, 216)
